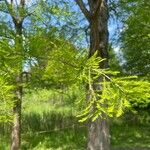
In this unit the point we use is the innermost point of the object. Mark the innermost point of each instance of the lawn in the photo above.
(53, 126)
(122, 138)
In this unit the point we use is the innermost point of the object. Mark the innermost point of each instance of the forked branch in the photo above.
(96, 9)
(83, 8)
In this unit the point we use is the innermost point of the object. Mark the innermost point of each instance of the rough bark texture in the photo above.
(98, 135)
(98, 131)
(97, 15)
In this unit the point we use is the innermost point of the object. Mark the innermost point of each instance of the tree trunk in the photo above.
(16, 126)
(98, 135)
(97, 14)
(98, 131)
(17, 11)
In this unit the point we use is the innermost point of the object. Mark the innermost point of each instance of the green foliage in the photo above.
(54, 62)
(109, 94)
(64, 64)
(135, 36)
(6, 100)
(114, 63)
(137, 91)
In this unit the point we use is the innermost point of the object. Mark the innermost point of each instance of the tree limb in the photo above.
(97, 7)
(83, 8)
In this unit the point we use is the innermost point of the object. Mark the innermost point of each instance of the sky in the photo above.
(112, 27)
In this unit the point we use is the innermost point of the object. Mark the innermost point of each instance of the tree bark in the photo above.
(97, 15)
(98, 135)
(98, 131)
(16, 126)
(17, 12)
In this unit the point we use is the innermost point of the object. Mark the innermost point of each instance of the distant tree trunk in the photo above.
(17, 11)
(16, 126)
(97, 15)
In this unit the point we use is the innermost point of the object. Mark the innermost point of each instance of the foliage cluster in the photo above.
(6, 100)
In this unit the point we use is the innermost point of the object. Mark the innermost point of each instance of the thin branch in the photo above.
(4, 11)
(9, 7)
(83, 9)
(59, 60)
(29, 14)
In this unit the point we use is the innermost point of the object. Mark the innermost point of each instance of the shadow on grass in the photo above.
(67, 139)
(42, 135)
(130, 137)
(70, 136)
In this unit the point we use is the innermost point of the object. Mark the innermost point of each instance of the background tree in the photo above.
(22, 55)
(135, 37)
(16, 12)
(134, 41)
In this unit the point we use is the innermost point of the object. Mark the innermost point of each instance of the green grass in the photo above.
(122, 138)
(4, 142)
(130, 136)
(51, 125)
(59, 140)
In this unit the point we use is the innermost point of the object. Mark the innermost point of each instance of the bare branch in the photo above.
(83, 8)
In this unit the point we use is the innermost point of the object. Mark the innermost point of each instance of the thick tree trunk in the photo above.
(98, 135)
(97, 15)
(98, 131)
